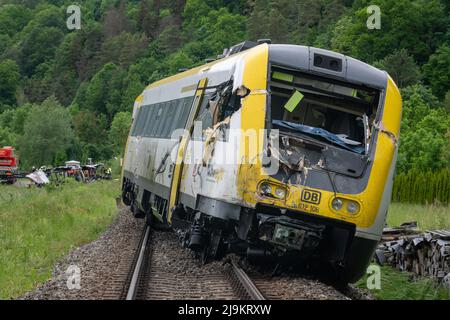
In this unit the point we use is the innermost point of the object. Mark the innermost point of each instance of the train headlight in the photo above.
(266, 189)
(352, 207)
(337, 204)
(272, 190)
(280, 193)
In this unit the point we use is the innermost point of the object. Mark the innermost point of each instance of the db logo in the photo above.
(311, 196)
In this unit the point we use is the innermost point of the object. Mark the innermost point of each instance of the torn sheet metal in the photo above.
(379, 126)
(38, 177)
(212, 135)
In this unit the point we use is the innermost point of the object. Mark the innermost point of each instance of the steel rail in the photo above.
(252, 291)
(132, 289)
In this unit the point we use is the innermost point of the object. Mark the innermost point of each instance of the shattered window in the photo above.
(333, 112)
(216, 108)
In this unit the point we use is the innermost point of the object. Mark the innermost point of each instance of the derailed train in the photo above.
(278, 152)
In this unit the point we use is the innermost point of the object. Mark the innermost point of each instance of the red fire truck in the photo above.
(9, 164)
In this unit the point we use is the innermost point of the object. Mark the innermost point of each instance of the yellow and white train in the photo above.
(278, 152)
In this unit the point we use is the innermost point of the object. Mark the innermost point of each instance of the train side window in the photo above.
(204, 116)
(186, 105)
(169, 112)
(179, 106)
(135, 122)
(160, 119)
(141, 121)
(148, 121)
(151, 121)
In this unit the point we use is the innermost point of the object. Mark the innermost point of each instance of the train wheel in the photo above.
(137, 213)
(149, 218)
(126, 197)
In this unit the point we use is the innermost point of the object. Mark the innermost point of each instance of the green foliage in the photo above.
(398, 285)
(103, 94)
(418, 186)
(298, 22)
(120, 129)
(45, 225)
(123, 45)
(401, 67)
(437, 71)
(41, 142)
(9, 80)
(13, 18)
(424, 140)
(428, 216)
(416, 25)
(7, 138)
(40, 39)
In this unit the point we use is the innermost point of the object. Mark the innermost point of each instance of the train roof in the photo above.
(302, 58)
(327, 63)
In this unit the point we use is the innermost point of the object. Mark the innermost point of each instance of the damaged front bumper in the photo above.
(301, 235)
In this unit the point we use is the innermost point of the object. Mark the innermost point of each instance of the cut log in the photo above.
(426, 254)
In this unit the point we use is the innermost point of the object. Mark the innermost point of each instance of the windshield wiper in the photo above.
(321, 133)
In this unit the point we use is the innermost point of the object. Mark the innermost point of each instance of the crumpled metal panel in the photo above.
(38, 177)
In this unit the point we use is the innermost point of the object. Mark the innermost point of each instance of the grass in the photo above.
(397, 285)
(39, 226)
(427, 216)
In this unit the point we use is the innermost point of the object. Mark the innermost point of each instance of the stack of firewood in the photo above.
(424, 254)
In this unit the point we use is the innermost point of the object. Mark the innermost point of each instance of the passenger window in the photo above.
(204, 116)
(168, 112)
(159, 119)
(149, 121)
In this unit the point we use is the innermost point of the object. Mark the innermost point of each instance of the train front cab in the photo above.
(329, 196)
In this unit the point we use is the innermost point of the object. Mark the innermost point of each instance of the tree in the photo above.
(119, 131)
(266, 21)
(115, 21)
(424, 132)
(447, 101)
(401, 66)
(437, 71)
(148, 18)
(104, 91)
(14, 119)
(9, 80)
(7, 138)
(416, 25)
(123, 49)
(13, 18)
(47, 133)
(89, 127)
(40, 38)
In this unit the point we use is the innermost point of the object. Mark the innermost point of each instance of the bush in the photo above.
(417, 186)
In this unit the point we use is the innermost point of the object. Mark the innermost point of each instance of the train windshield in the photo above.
(330, 111)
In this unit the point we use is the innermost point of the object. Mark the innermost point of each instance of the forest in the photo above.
(84, 81)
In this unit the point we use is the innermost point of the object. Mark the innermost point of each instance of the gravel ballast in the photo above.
(101, 261)
(97, 261)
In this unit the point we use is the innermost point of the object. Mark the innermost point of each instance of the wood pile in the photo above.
(424, 254)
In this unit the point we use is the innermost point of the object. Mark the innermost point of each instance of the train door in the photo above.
(178, 166)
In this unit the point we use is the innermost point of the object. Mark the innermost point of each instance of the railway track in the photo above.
(160, 269)
(148, 279)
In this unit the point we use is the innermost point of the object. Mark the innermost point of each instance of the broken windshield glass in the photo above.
(340, 140)
(333, 112)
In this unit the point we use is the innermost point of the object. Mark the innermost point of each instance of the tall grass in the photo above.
(423, 187)
(39, 226)
(428, 216)
(397, 285)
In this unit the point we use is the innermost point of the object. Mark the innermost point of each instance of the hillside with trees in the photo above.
(83, 82)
